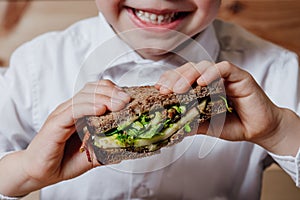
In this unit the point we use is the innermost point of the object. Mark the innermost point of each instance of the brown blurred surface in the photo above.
(277, 21)
(38, 17)
(277, 185)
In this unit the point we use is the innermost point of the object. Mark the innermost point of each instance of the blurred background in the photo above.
(275, 20)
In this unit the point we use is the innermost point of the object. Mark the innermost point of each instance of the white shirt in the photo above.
(51, 68)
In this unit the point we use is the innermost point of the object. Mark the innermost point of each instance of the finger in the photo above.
(239, 83)
(181, 79)
(178, 80)
(230, 129)
(233, 129)
(167, 80)
(230, 72)
(209, 74)
(98, 100)
(189, 74)
(71, 110)
(74, 162)
(114, 93)
(85, 109)
(105, 82)
(225, 70)
(63, 106)
(107, 90)
(60, 126)
(92, 86)
(68, 113)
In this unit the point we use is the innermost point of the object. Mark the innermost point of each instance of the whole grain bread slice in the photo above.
(116, 155)
(144, 99)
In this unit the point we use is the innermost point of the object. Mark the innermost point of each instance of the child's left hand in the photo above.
(256, 118)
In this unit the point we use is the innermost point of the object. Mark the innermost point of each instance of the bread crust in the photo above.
(144, 99)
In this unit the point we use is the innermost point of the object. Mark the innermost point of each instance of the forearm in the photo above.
(14, 180)
(285, 138)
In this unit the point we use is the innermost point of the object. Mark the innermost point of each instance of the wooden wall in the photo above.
(27, 19)
(275, 20)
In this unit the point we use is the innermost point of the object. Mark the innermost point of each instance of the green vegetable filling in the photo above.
(152, 128)
(147, 126)
(229, 109)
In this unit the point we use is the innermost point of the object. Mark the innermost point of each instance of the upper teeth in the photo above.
(155, 18)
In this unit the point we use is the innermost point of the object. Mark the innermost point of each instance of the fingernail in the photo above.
(116, 104)
(201, 81)
(164, 90)
(115, 101)
(123, 95)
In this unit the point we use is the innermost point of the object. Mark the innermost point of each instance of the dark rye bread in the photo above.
(116, 155)
(145, 99)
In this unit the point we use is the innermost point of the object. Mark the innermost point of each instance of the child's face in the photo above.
(158, 21)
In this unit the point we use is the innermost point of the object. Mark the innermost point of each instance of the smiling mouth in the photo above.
(158, 19)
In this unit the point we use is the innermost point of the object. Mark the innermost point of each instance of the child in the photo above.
(37, 136)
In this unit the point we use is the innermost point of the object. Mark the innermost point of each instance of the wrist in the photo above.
(284, 138)
(15, 182)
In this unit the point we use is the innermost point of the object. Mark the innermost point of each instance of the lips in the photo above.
(144, 18)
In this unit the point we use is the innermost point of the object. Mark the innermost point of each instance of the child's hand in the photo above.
(53, 155)
(256, 118)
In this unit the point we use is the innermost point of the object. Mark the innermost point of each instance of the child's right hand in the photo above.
(53, 155)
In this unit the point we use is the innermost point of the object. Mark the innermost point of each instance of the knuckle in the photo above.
(226, 64)
(203, 64)
(88, 85)
(190, 64)
(100, 109)
(167, 72)
(105, 82)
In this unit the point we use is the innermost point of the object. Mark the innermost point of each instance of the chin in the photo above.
(156, 48)
(153, 53)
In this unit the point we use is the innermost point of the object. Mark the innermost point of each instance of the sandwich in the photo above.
(151, 121)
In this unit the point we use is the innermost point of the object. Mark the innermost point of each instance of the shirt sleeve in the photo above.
(285, 92)
(290, 164)
(2, 197)
(16, 129)
(16, 119)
